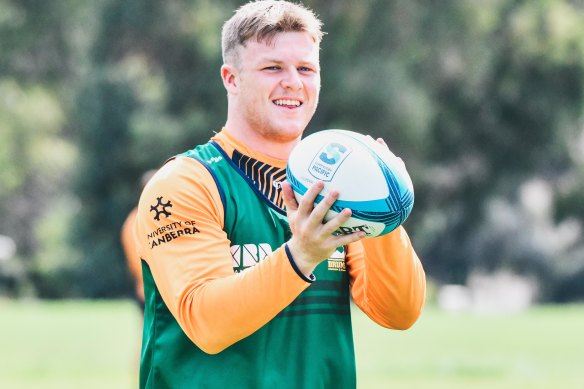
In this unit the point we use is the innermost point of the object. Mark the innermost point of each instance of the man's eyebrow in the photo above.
(272, 60)
(279, 62)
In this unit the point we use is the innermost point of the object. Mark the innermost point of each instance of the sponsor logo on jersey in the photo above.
(162, 210)
(336, 262)
(248, 255)
(214, 160)
(171, 232)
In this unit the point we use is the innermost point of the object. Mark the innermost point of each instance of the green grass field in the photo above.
(82, 344)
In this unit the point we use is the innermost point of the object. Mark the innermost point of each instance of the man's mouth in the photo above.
(287, 103)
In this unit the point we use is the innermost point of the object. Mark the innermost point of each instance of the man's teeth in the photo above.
(295, 103)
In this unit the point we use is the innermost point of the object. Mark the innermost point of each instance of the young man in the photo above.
(243, 287)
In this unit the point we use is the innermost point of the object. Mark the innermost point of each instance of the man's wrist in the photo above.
(300, 267)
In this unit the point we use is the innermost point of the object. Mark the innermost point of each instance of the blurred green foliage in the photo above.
(483, 100)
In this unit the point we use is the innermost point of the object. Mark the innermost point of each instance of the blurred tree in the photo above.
(36, 154)
(483, 100)
(148, 98)
(500, 126)
(480, 98)
(104, 107)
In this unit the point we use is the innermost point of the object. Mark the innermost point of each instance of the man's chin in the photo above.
(286, 129)
(288, 133)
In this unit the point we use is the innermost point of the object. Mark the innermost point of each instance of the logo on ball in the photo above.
(328, 160)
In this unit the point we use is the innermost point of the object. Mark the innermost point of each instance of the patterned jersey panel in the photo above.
(267, 178)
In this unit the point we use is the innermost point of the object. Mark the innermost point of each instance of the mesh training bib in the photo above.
(307, 345)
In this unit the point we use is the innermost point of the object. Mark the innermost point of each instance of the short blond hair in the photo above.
(262, 20)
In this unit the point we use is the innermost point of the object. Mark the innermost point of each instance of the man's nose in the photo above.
(292, 80)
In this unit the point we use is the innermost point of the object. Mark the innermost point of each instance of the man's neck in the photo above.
(258, 143)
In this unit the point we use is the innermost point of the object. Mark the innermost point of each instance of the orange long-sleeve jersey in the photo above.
(181, 237)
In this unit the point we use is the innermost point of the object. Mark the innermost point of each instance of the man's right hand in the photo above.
(312, 238)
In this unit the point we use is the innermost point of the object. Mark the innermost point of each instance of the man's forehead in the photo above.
(283, 45)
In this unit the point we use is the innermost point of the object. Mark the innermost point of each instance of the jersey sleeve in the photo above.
(181, 238)
(388, 282)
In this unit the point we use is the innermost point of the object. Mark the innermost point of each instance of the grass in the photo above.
(540, 348)
(72, 344)
(81, 344)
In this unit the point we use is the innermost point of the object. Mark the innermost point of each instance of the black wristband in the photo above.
(311, 278)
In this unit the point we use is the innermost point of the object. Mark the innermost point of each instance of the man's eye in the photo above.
(304, 69)
(272, 68)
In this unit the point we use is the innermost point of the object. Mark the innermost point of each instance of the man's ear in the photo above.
(230, 78)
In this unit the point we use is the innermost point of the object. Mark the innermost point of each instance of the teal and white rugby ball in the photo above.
(371, 180)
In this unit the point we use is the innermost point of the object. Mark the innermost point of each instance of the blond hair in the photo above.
(262, 20)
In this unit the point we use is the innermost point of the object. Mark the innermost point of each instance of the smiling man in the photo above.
(273, 90)
(245, 287)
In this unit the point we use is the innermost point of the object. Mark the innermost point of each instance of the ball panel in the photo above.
(397, 193)
(324, 159)
(366, 206)
(382, 205)
(297, 186)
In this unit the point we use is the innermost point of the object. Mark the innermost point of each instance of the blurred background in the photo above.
(483, 99)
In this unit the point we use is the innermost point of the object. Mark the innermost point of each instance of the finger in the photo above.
(320, 210)
(378, 140)
(288, 196)
(342, 240)
(336, 222)
(350, 238)
(306, 205)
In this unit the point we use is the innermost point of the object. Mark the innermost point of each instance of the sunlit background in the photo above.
(483, 99)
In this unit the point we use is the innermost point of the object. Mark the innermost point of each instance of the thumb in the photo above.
(288, 197)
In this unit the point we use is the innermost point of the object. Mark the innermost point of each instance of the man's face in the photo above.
(279, 85)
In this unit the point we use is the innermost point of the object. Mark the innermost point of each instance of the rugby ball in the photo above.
(371, 180)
